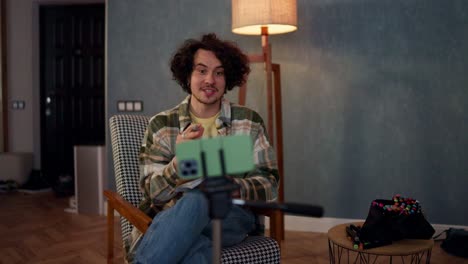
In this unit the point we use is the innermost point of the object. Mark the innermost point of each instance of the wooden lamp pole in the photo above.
(274, 114)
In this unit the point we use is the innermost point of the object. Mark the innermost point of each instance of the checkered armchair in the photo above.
(126, 136)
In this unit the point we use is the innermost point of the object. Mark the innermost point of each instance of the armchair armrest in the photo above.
(142, 221)
(135, 216)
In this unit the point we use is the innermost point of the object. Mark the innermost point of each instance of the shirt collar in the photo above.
(224, 119)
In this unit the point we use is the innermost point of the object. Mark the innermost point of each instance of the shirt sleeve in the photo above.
(158, 176)
(262, 182)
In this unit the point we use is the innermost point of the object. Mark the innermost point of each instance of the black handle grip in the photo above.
(289, 208)
(302, 209)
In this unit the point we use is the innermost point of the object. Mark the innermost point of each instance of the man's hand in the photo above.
(194, 131)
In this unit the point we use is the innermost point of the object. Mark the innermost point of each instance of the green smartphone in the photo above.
(237, 150)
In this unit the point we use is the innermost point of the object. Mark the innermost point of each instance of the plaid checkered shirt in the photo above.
(158, 176)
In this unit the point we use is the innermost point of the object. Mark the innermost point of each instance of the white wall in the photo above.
(19, 76)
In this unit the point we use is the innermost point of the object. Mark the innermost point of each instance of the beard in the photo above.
(208, 100)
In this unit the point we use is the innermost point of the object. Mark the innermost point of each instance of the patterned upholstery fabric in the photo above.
(126, 135)
(254, 249)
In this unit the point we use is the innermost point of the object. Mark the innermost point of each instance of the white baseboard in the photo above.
(322, 225)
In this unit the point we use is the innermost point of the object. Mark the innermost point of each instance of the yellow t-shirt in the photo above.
(209, 124)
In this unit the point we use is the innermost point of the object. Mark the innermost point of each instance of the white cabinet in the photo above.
(90, 179)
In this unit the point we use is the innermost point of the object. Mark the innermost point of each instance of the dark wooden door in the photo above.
(72, 84)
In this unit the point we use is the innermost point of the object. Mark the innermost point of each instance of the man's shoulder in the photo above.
(240, 112)
(168, 117)
(168, 112)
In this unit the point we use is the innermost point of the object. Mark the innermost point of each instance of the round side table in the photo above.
(406, 250)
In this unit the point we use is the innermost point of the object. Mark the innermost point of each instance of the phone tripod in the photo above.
(218, 191)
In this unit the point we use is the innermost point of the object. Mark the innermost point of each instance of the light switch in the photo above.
(138, 106)
(18, 105)
(21, 105)
(121, 106)
(129, 106)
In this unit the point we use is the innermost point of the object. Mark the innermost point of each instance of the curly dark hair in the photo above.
(234, 61)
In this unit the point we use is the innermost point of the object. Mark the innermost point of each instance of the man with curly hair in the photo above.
(181, 228)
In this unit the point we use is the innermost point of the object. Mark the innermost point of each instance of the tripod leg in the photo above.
(216, 241)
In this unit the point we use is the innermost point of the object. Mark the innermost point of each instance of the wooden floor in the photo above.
(35, 229)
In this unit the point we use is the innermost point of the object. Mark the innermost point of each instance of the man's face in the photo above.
(207, 82)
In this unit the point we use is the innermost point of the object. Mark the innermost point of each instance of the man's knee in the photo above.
(194, 200)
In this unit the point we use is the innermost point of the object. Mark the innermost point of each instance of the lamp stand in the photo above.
(274, 114)
(266, 48)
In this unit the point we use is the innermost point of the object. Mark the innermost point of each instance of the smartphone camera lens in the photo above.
(189, 168)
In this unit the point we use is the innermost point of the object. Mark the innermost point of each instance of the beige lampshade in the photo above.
(248, 16)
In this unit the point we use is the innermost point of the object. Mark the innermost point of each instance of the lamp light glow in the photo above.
(249, 16)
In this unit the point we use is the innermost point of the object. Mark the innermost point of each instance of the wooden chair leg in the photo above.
(110, 233)
(281, 225)
(275, 228)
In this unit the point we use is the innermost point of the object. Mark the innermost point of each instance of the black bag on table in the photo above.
(396, 219)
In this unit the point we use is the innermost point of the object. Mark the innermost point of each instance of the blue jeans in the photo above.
(182, 233)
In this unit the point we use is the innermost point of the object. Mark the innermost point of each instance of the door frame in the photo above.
(37, 148)
(3, 79)
(42, 90)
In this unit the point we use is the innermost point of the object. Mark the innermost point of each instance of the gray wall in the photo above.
(374, 93)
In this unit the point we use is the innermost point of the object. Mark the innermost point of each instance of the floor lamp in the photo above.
(267, 17)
